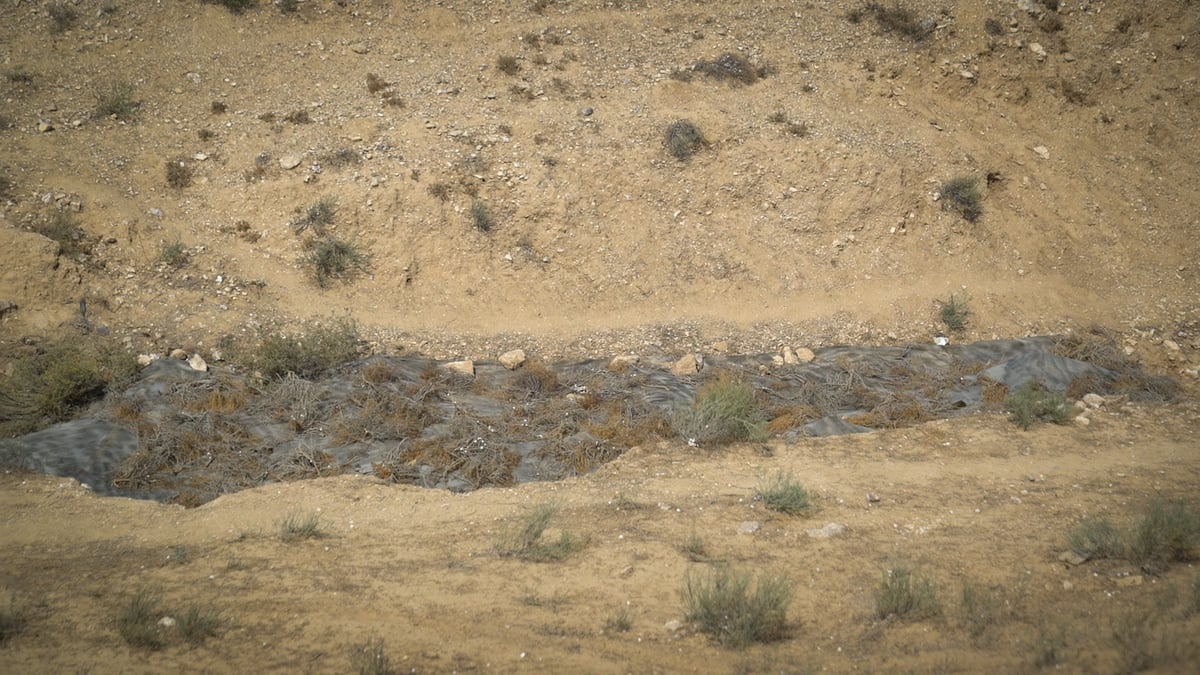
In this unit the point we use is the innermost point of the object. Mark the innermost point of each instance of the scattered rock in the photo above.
(465, 367)
(789, 356)
(166, 622)
(1093, 400)
(673, 625)
(829, 530)
(360, 48)
(197, 363)
(1082, 420)
(586, 112)
(1171, 345)
(179, 354)
(805, 355)
(43, 126)
(512, 359)
(749, 527)
(1039, 52)
(872, 498)
(1042, 151)
(620, 363)
(147, 359)
(689, 364)
(289, 162)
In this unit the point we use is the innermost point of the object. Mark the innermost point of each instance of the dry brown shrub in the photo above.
(378, 372)
(994, 394)
(531, 380)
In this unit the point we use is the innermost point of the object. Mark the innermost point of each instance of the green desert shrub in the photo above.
(906, 593)
(321, 348)
(737, 610)
(138, 621)
(784, 494)
(724, 411)
(1167, 532)
(1095, 539)
(331, 258)
(524, 538)
(684, 139)
(299, 525)
(117, 101)
(955, 313)
(962, 194)
(1030, 403)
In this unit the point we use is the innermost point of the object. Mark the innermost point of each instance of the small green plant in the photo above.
(955, 312)
(117, 101)
(737, 610)
(369, 658)
(179, 173)
(523, 539)
(14, 619)
(318, 216)
(1167, 532)
(320, 349)
(175, 254)
(64, 228)
(62, 17)
(962, 194)
(621, 622)
(979, 608)
(301, 525)
(784, 494)
(138, 622)
(481, 216)
(906, 593)
(508, 65)
(684, 139)
(334, 258)
(197, 624)
(694, 548)
(1096, 539)
(723, 411)
(1029, 404)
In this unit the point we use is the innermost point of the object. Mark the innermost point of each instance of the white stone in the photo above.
(1093, 400)
(289, 162)
(512, 359)
(197, 363)
(464, 367)
(1042, 151)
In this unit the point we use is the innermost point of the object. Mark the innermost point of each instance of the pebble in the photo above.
(464, 367)
(1042, 151)
(1072, 558)
(1038, 51)
(289, 162)
(1093, 400)
(749, 527)
(586, 112)
(512, 359)
(43, 126)
(673, 625)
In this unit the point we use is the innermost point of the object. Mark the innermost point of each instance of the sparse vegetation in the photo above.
(297, 526)
(906, 593)
(979, 607)
(508, 65)
(234, 6)
(287, 6)
(332, 258)
(19, 75)
(370, 658)
(64, 228)
(781, 492)
(320, 349)
(962, 194)
(1030, 403)
(955, 312)
(481, 216)
(524, 539)
(684, 139)
(732, 67)
(218, 108)
(138, 622)
(175, 254)
(1096, 539)
(895, 19)
(694, 548)
(179, 173)
(621, 622)
(197, 624)
(62, 17)
(1050, 644)
(117, 101)
(1167, 532)
(317, 217)
(737, 610)
(723, 411)
(298, 117)
(14, 619)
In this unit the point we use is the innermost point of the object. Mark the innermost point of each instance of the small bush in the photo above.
(198, 624)
(731, 66)
(63, 227)
(14, 619)
(1050, 644)
(782, 493)
(62, 17)
(298, 117)
(1030, 404)
(318, 216)
(993, 27)
(726, 607)
(175, 254)
(234, 6)
(376, 84)
(481, 216)
(980, 608)
(179, 173)
(508, 65)
(369, 658)
(278, 355)
(694, 548)
(218, 108)
(138, 622)
(1096, 539)
(297, 526)
(895, 19)
(906, 593)
(621, 622)
(962, 194)
(117, 101)
(683, 139)
(1168, 531)
(334, 258)
(955, 313)
(723, 411)
(523, 539)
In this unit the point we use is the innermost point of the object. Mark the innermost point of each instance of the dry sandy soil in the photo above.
(1081, 125)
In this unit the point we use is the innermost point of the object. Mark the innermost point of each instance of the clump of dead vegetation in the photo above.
(728, 67)
(895, 19)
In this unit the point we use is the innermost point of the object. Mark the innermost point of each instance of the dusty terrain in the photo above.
(811, 218)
